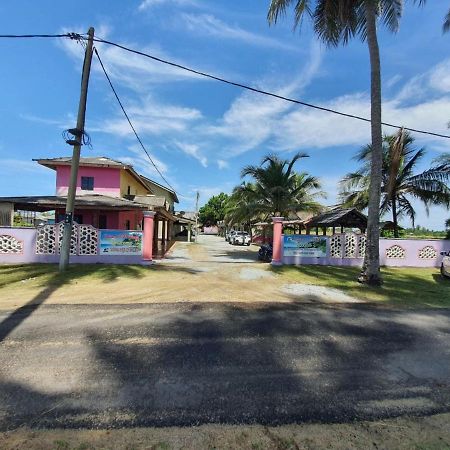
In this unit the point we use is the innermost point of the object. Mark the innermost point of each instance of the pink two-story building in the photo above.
(109, 195)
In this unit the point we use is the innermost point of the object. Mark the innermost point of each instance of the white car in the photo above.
(230, 236)
(241, 238)
(445, 266)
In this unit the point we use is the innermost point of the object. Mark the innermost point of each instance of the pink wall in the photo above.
(106, 180)
(135, 218)
(410, 250)
(28, 237)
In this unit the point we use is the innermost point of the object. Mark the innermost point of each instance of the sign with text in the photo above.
(120, 242)
(305, 245)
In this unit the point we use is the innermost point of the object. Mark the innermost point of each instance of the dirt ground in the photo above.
(432, 433)
(207, 272)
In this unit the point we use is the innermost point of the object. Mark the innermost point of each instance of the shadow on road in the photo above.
(231, 364)
(105, 273)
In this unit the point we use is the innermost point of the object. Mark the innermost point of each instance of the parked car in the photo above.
(445, 266)
(241, 238)
(230, 236)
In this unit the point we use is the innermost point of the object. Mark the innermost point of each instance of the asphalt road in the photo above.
(185, 364)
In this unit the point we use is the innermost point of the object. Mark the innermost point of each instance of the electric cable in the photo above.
(129, 120)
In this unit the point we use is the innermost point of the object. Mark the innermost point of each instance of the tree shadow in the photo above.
(401, 286)
(272, 364)
(54, 281)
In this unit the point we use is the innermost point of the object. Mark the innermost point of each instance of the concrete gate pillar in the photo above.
(147, 251)
(277, 241)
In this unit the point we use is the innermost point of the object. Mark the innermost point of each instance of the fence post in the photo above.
(277, 241)
(147, 253)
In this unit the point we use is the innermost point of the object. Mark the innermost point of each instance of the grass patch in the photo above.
(48, 274)
(402, 286)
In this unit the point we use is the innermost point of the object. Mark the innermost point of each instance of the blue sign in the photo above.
(305, 245)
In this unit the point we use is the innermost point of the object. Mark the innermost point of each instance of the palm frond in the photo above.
(446, 26)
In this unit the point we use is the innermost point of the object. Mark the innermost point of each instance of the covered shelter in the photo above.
(337, 218)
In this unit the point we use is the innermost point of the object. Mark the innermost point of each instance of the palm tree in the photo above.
(335, 22)
(446, 26)
(241, 207)
(277, 190)
(399, 182)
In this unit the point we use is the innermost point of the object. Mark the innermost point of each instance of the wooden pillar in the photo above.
(317, 231)
(334, 230)
(342, 229)
(324, 230)
(164, 231)
(155, 233)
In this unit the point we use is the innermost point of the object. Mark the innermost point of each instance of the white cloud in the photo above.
(134, 70)
(440, 77)
(252, 119)
(15, 165)
(68, 121)
(222, 164)
(194, 151)
(207, 24)
(147, 4)
(150, 117)
(393, 81)
(141, 163)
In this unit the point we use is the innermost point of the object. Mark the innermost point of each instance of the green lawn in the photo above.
(410, 287)
(402, 286)
(48, 274)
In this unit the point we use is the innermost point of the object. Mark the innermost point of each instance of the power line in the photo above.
(129, 121)
(260, 91)
(28, 36)
(78, 37)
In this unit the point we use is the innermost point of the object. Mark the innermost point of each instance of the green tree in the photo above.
(400, 183)
(214, 210)
(242, 207)
(336, 22)
(277, 190)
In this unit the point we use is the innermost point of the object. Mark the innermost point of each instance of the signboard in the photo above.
(305, 245)
(120, 242)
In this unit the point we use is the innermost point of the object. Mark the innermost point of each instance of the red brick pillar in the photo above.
(147, 252)
(277, 241)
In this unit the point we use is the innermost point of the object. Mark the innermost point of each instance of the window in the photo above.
(87, 183)
(129, 190)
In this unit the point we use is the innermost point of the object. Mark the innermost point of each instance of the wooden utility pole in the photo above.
(78, 133)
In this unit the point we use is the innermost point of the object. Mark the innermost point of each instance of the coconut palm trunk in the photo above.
(371, 268)
(395, 217)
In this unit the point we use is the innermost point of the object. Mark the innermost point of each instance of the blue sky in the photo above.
(200, 132)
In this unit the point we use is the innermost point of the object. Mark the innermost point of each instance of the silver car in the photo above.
(445, 266)
(241, 238)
